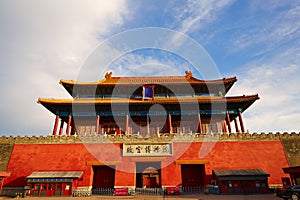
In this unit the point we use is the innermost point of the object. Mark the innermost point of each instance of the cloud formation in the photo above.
(276, 80)
(44, 41)
(41, 42)
(195, 15)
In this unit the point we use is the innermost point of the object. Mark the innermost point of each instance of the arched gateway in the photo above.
(148, 175)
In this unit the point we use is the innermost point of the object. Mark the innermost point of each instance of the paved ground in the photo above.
(180, 197)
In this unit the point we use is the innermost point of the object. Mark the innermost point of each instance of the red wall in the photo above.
(266, 155)
(125, 173)
(170, 174)
(27, 158)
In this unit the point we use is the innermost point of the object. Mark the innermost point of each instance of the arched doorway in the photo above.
(150, 178)
(148, 175)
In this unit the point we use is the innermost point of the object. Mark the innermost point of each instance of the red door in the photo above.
(146, 182)
(66, 189)
(50, 191)
(236, 187)
(104, 177)
(192, 175)
(152, 181)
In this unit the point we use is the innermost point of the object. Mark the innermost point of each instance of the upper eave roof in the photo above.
(149, 80)
(222, 85)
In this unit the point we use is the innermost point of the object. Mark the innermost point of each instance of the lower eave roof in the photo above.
(236, 103)
(170, 100)
(294, 169)
(56, 174)
(241, 172)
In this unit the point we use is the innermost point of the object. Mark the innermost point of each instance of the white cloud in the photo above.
(276, 80)
(270, 33)
(41, 42)
(195, 14)
(157, 63)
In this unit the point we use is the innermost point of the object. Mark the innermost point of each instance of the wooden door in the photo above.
(104, 177)
(153, 183)
(192, 175)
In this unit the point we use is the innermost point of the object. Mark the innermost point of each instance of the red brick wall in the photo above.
(26, 158)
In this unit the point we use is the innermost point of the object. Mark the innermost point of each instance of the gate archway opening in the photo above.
(148, 175)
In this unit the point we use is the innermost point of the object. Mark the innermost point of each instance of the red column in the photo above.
(241, 123)
(68, 125)
(199, 123)
(224, 126)
(97, 124)
(127, 125)
(1, 183)
(170, 123)
(73, 128)
(55, 125)
(101, 129)
(228, 122)
(61, 127)
(148, 125)
(236, 125)
(152, 92)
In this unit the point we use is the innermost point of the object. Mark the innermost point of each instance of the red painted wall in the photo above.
(27, 158)
(171, 173)
(267, 155)
(125, 173)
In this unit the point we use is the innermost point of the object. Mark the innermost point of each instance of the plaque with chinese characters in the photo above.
(147, 149)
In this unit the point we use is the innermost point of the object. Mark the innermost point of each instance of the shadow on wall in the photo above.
(18, 182)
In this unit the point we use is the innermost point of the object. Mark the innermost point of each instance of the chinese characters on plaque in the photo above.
(147, 149)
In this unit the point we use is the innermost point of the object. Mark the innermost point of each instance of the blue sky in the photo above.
(45, 41)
